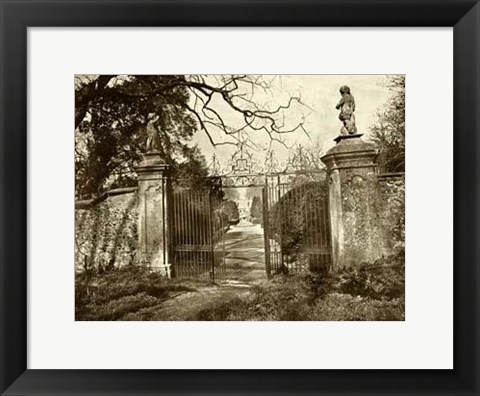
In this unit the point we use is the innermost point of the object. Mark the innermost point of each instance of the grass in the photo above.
(115, 294)
(367, 292)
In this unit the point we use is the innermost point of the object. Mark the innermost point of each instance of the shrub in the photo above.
(289, 298)
(110, 295)
(384, 279)
(295, 221)
(369, 292)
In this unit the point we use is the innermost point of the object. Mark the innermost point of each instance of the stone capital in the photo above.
(350, 152)
(151, 167)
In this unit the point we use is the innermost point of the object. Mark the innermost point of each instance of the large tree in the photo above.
(256, 210)
(389, 130)
(113, 112)
(230, 211)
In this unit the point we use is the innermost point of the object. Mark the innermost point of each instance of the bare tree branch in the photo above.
(232, 89)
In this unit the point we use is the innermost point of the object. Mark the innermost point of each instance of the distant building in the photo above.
(244, 209)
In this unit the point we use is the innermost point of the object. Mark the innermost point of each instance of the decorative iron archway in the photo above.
(296, 222)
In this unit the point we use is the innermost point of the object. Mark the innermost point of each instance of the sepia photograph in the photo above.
(239, 197)
(268, 209)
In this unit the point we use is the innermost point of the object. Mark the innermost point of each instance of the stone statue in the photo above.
(153, 143)
(347, 109)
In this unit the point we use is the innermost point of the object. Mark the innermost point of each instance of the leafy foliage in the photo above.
(106, 234)
(389, 130)
(379, 294)
(371, 292)
(230, 211)
(383, 279)
(256, 210)
(110, 137)
(115, 294)
(297, 219)
(114, 114)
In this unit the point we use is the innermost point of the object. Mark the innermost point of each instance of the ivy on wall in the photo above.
(106, 233)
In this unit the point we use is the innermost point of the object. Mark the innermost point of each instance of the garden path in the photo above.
(245, 268)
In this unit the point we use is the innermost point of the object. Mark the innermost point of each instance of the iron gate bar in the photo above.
(211, 237)
(295, 220)
(296, 224)
(266, 241)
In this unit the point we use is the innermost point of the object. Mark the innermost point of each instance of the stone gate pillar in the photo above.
(352, 176)
(153, 192)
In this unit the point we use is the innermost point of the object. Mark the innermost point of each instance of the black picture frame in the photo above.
(18, 15)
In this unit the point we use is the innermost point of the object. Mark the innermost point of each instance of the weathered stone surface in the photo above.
(390, 210)
(358, 221)
(106, 231)
(366, 210)
(336, 218)
(347, 111)
(351, 151)
(152, 213)
(347, 137)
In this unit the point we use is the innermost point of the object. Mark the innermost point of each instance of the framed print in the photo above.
(239, 197)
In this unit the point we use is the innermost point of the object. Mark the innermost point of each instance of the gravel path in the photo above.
(245, 268)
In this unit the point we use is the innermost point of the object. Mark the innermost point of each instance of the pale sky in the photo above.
(320, 93)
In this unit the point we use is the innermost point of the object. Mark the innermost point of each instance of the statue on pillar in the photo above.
(153, 143)
(347, 109)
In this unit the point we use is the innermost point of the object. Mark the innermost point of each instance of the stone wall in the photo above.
(373, 210)
(106, 230)
(359, 217)
(367, 209)
(390, 212)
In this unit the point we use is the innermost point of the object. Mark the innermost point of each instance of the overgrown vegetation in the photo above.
(369, 293)
(115, 114)
(114, 294)
(297, 221)
(230, 214)
(256, 210)
(366, 292)
(388, 132)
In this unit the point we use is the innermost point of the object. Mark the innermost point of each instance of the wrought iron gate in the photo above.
(296, 224)
(295, 216)
(197, 235)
